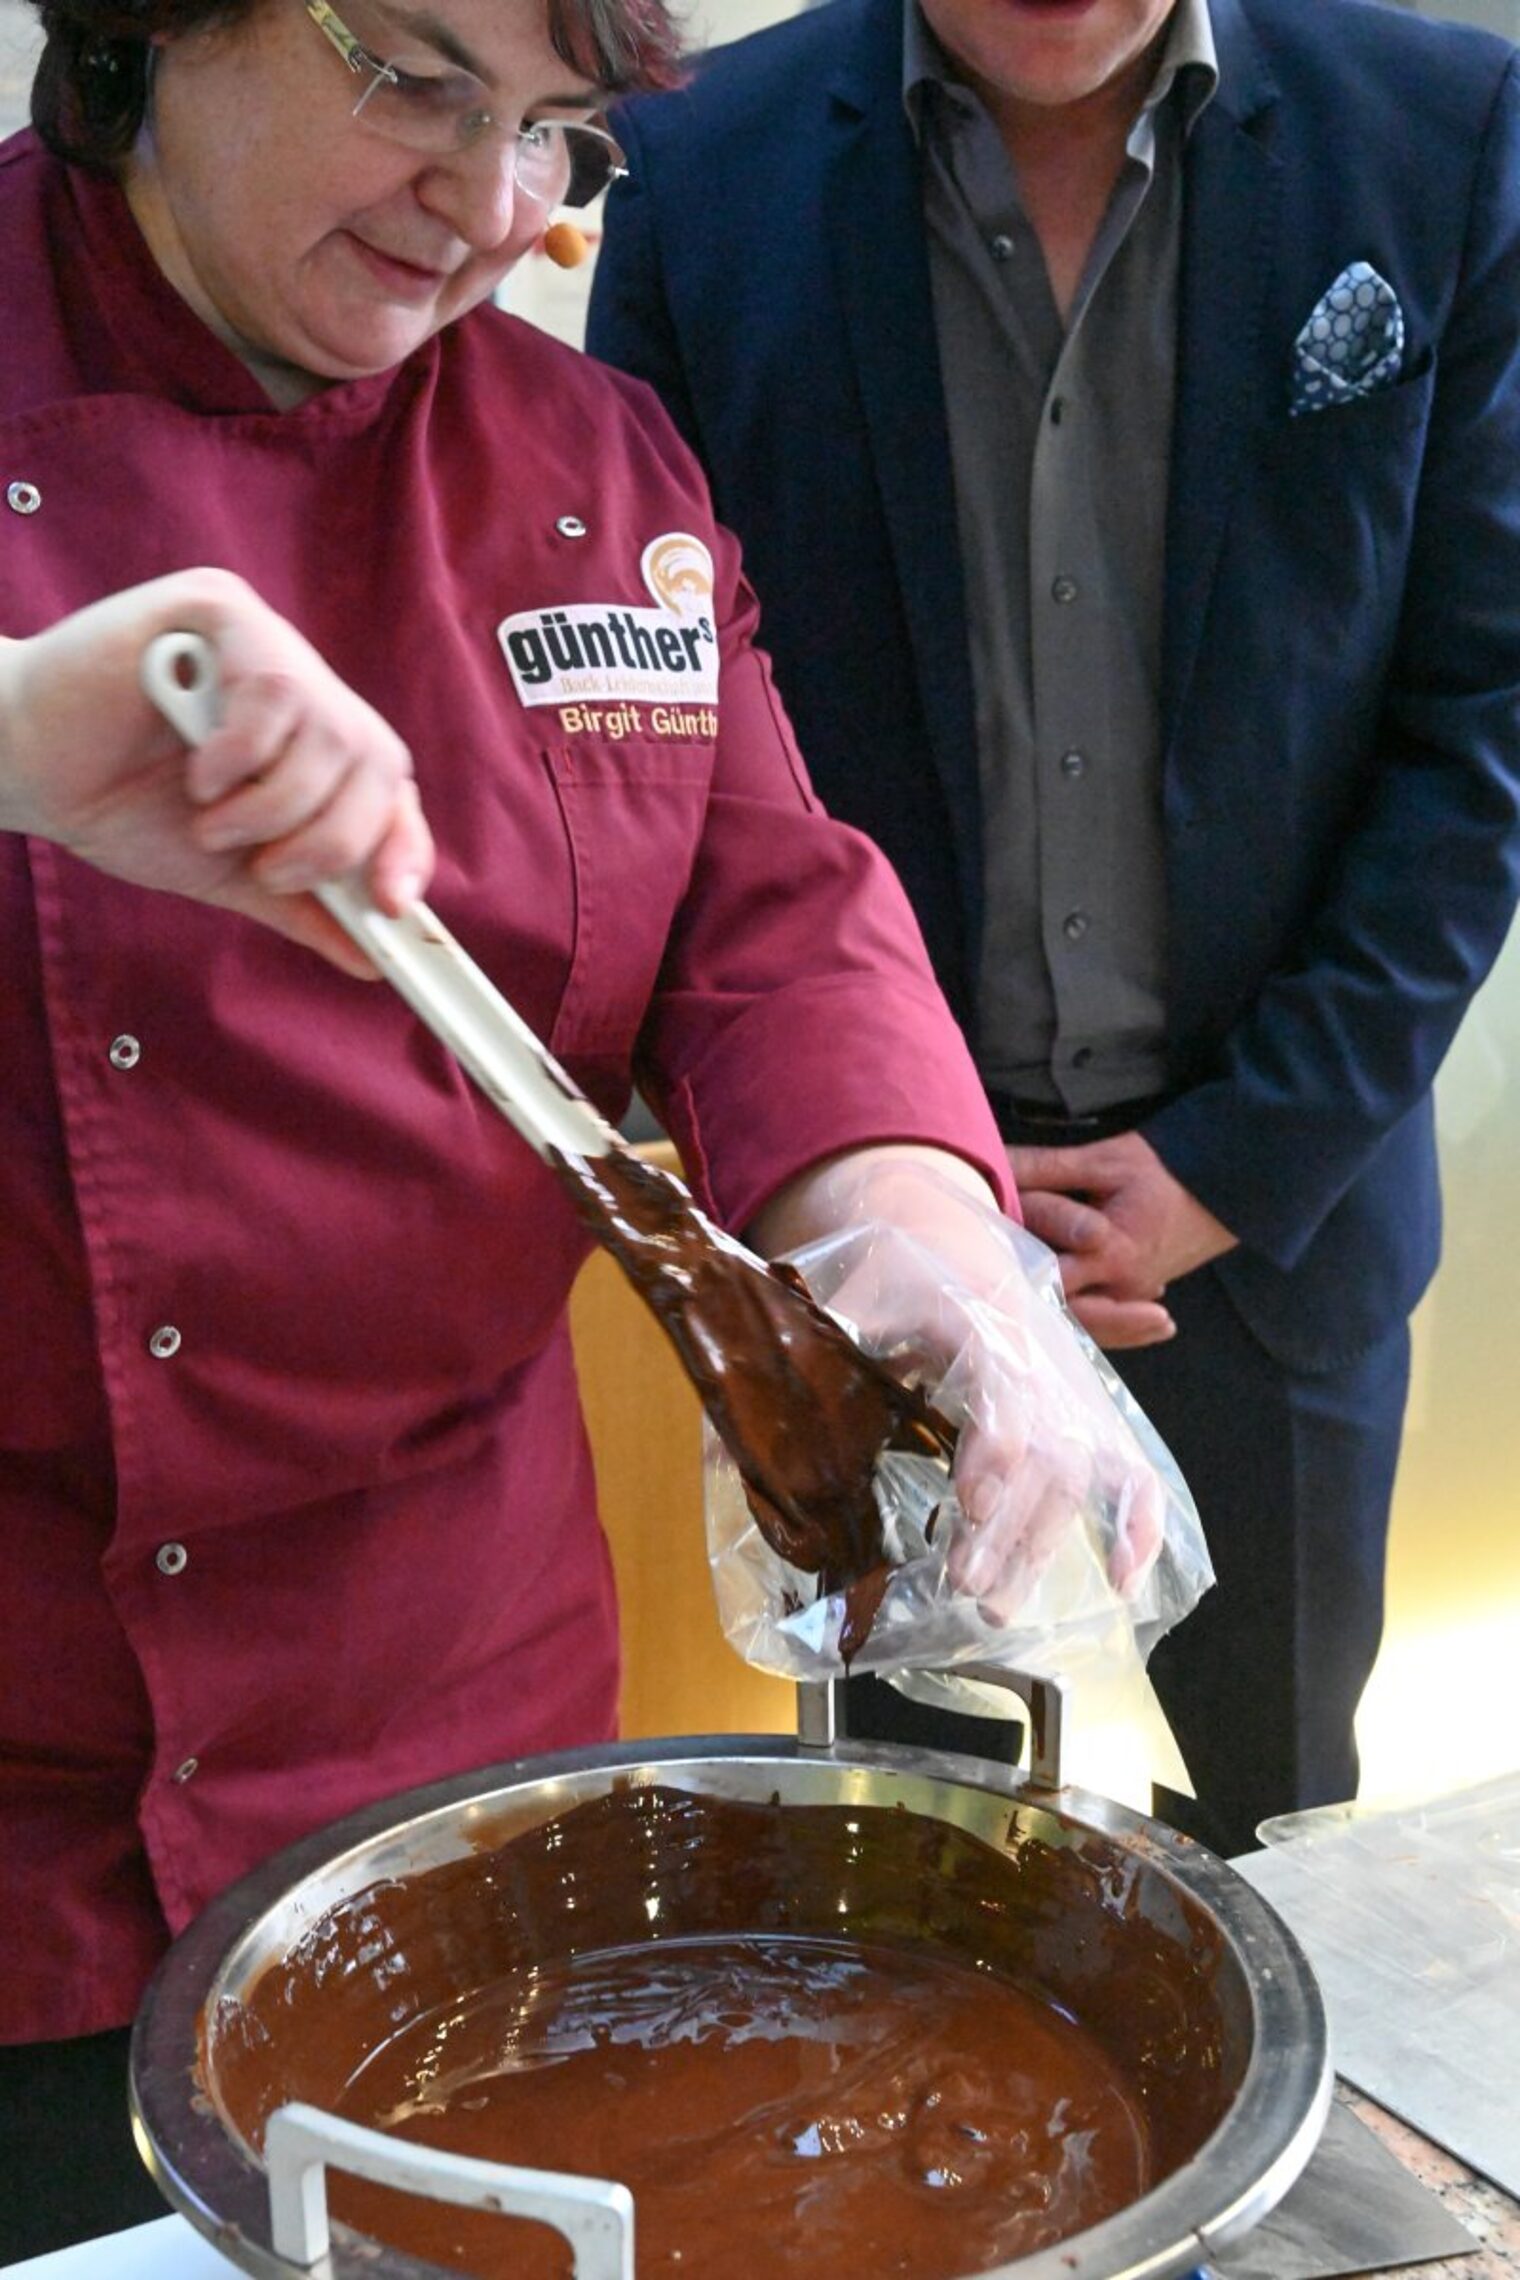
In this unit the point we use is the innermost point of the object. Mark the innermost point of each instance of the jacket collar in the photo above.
(868, 64)
(1246, 86)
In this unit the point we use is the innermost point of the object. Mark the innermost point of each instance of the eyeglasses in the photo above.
(430, 104)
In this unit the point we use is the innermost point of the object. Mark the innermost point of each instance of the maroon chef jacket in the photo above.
(295, 1504)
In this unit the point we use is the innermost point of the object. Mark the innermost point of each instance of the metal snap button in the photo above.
(1075, 924)
(171, 1559)
(125, 1052)
(188, 1770)
(23, 498)
(570, 526)
(1073, 764)
(164, 1342)
(1064, 589)
(1001, 248)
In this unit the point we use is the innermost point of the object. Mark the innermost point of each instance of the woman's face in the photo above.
(314, 242)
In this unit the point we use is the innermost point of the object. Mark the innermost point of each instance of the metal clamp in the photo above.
(301, 2142)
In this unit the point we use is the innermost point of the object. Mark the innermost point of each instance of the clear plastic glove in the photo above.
(303, 781)
(1066, 1508)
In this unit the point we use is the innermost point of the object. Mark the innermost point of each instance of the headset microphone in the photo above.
(566, 246)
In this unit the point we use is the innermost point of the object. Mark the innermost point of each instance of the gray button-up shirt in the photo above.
(1060, 441)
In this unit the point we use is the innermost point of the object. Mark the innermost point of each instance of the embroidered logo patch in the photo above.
(665, 655)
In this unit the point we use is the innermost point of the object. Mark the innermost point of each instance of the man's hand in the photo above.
(1121, 1228)
(302, 782)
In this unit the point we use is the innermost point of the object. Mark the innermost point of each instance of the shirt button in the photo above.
(1001, 248)
(1075, 924)
(1074, 764)
(125, 1052)
(188, 1770)
(1064, 589)
(171, 1559)
(1082, 1058)
(165, 1341)
(23, 498)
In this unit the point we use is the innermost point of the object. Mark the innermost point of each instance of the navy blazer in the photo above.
(1341, 695)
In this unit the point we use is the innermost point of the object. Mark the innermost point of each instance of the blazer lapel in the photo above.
(876, 237)
(1225, 380)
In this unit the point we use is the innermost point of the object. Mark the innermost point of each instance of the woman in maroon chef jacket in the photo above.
(295, 1506)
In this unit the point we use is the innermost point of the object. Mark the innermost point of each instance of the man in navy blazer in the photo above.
(1320, 745)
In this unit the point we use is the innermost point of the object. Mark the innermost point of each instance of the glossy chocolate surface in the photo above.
(820, 2039)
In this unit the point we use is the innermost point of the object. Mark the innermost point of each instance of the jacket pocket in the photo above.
(633, 815)
(1379, 421)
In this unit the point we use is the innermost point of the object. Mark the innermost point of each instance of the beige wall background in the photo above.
(18, 42)
(1444, 1704)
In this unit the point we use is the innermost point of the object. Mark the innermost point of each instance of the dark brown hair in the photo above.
(91, 87)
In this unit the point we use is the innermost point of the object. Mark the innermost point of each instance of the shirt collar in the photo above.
(1189, 62)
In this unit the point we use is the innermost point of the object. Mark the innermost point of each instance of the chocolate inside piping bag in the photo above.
(803, 1410)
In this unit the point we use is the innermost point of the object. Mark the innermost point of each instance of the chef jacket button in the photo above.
(171, 1559)
(188, 1770)
(23, 498)
(164, 1342)
(570, 526)
(125, 1052)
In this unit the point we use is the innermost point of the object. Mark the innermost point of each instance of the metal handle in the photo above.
(416, 953)
(1045, 1700)
(818, 1723)
(302, 2142)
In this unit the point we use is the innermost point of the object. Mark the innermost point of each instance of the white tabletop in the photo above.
(168, 2249)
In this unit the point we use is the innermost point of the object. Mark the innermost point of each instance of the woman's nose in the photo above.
(476, 192)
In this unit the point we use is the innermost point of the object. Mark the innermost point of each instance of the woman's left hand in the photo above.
(935, 1280)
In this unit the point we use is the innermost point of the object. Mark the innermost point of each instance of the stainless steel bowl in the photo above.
(1265, 2020)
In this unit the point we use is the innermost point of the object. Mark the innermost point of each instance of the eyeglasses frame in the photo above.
(360, 59)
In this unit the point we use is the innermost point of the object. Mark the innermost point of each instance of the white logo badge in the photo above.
(664, 655)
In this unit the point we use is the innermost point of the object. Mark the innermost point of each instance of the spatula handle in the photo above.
(415, 952)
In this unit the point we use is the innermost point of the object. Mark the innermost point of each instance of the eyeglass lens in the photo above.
(421, 99)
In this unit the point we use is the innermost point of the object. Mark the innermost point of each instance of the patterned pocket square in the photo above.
(1352, 345)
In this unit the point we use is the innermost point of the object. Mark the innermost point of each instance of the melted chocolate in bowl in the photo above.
(784, 2105)
(815, 2039)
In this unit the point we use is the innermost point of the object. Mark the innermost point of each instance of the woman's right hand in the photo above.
(301, 783)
